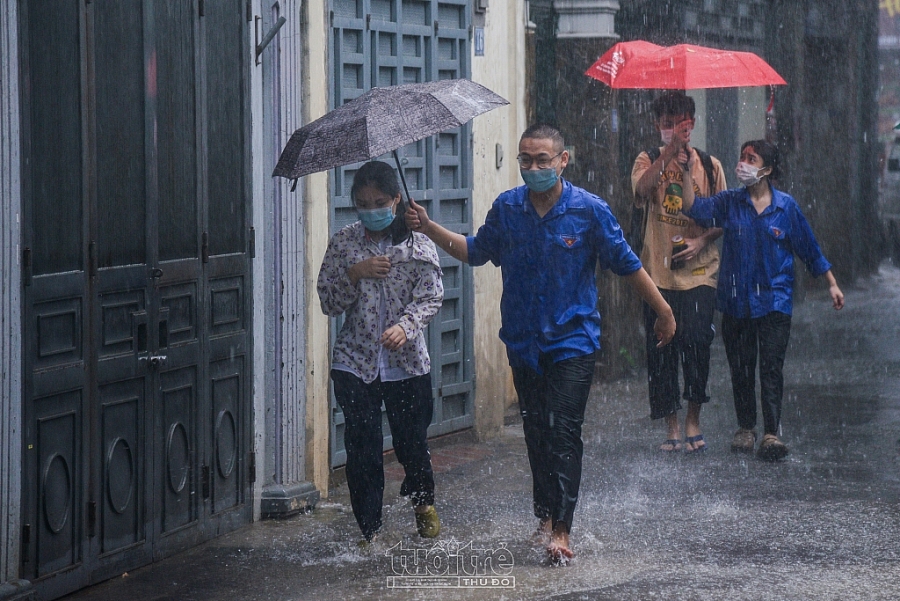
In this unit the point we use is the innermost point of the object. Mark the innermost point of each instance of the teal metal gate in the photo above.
(377, 43)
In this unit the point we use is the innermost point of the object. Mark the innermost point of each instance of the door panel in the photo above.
(176, 130)
(226, 150)
(122, 477)
(58, 421)
(177, 442)
(228, 404)
(54, 176)
(120, 118)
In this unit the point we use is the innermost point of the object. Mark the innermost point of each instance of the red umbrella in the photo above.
(643, 65)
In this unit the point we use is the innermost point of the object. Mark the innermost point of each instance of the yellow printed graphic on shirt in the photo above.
(672, 199)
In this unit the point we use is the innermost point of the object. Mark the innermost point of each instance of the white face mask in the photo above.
(666, 135)
(747, 174)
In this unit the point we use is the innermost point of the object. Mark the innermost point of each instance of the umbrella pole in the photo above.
(402, 178)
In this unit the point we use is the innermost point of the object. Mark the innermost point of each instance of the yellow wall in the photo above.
(315, 196)
(502, 69)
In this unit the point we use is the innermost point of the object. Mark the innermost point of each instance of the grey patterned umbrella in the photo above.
(382, 120)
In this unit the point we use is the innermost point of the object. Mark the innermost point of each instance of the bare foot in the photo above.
(541, 536)
(558, 551)
(693, 435)
(673, 433)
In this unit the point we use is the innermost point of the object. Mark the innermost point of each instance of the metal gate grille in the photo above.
(391, 42)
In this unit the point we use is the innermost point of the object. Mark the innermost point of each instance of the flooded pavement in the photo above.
(824, 524)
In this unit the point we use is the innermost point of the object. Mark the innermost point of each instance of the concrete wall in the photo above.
(750, 118)
(826, 124)
(502, 69)
(10, 310)
(315, 212)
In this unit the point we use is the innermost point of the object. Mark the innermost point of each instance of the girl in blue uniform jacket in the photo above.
(763, 229)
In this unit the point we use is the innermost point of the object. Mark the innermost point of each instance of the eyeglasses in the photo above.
(543, 161)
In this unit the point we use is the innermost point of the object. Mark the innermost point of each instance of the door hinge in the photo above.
(201, 8)
(249, 12)
(204, 247)
(204, 480)
(92, 258)
(26, 266)
(91, 516)
(252, 248)
(26, 542)
(251, 477)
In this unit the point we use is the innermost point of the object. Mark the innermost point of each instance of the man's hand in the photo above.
(682, 132)
(680, 144)
(837, 297)
(416, 216)
(393, 338)
(664, 326)
(373, 267)
(694, 246)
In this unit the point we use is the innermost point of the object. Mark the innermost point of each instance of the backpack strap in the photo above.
(707, 163)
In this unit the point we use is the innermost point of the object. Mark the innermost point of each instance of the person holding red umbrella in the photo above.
(683, 262)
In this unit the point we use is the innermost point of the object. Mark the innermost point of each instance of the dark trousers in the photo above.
(409, 408)
(552, 405)
(693, 311)
(744, 339)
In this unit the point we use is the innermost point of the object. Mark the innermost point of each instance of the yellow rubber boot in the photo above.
(428, 524)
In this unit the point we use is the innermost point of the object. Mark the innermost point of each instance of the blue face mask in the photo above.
(376, 220)
(540, 180)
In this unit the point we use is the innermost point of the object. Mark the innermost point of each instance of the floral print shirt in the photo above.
(409, 296)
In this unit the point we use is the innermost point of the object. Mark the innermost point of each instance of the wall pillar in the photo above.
(10, 313)
(285, 487)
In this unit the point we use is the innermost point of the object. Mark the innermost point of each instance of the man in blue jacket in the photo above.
(547, 237)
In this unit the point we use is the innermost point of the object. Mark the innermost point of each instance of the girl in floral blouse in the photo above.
(386, 281)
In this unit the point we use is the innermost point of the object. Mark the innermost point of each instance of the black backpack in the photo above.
(635, 237)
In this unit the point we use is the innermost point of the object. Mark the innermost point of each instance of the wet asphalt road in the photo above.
(824, 524)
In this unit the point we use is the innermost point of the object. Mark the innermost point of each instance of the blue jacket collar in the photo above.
(779, 199)
(520, 196)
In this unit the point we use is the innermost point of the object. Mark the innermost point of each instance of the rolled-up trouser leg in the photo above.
(662, 370)
(695, 333)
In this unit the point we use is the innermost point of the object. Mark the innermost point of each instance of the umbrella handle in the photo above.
(402, 178)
